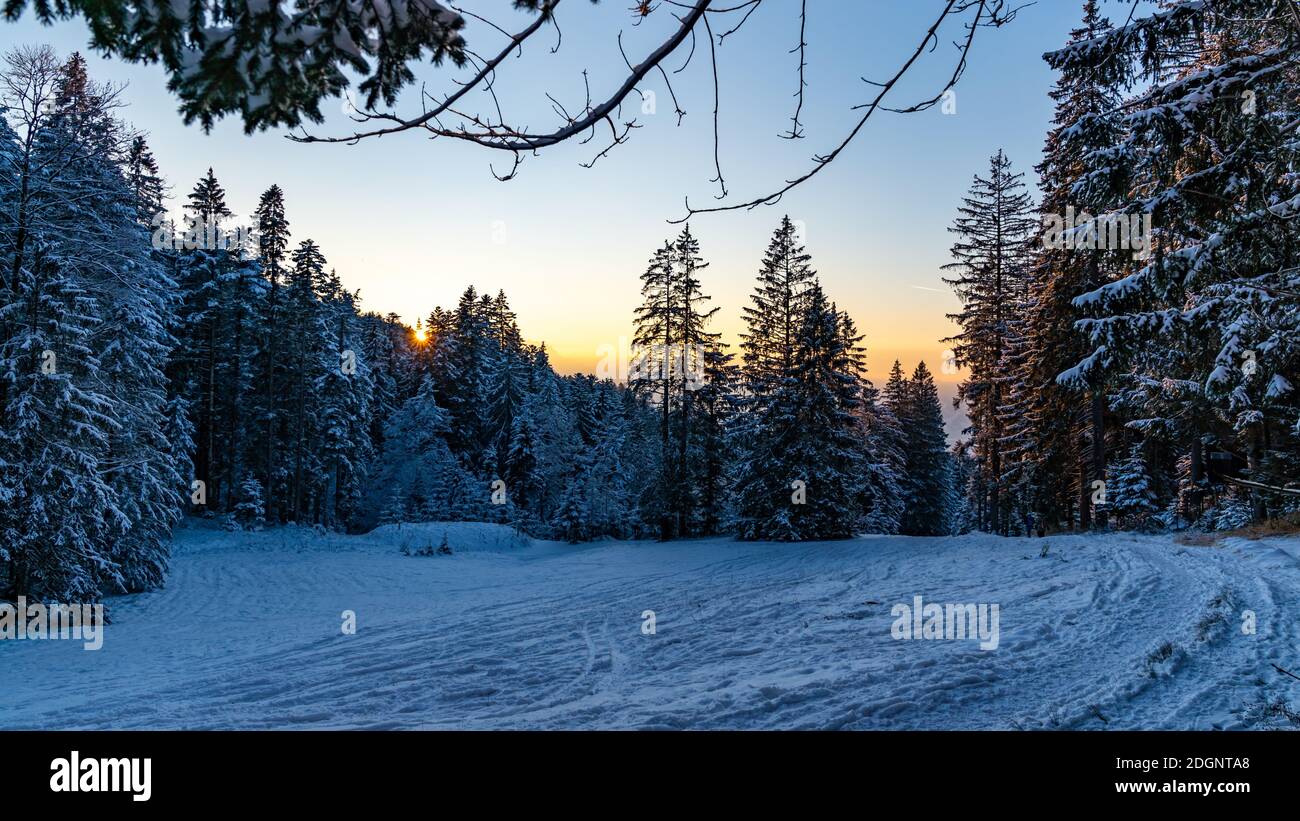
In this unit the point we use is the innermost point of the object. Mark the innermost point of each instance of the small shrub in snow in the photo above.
(1164, 660)
(250, 511)
(1232, 513)
(443, 549)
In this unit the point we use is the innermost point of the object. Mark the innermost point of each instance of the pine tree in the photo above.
(250, 512)
(717, 406)
(775, 320)
(145, 181)
(656, 332)
(210, 279)
(521, 471)
(507, 379)
(1063, 424)
(414, 462)
(1018, 443)
(345, 390)
(993, 227)
(242, 291)
(776, 314)
(573, 520)
(1130, 495)
(929, 479)
(879, 438)
(88, 478)
(464, 373)
(884, 480)
(273, 243)
(672, 340)
(1199, 335)
(307, 352)
(802, 478)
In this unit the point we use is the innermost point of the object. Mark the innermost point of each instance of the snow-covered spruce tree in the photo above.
(1130, 496)
(1018, 441)
(610, 489)
(273, 245)
(651, 376)
(672, 339)
(717, 405)
(579, 392)
(773, 321)
(56, 422)
(574, 519)
(308, 353)
(557, 439)
(148, 456)
(598, 498)
(929, 473)
(892, 437)
(345, 389)
(507, 380)
(243, 290)
(776, 314)
(88, 479)
(925, 481)
(221, 291)
(803, 475)
(414, 458)
(145, 181)
(879, 438)
(963, 473)
(993, 226)
(1066, 422)
(521, 471)
(885, 481)
(463, 373)
(642, 458)
(271, 64)
(1204, 331)
(688, 358)
(390, 348)
(250, 512)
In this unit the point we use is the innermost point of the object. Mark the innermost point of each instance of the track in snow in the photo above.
(1104, 632)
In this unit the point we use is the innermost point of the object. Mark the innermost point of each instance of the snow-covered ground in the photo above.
(1102, 632)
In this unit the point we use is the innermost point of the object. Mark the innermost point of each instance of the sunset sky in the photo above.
(411, 221)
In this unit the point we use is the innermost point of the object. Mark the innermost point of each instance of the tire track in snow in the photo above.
(749, 635)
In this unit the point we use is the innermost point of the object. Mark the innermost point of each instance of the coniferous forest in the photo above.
(954, 389)
(152, 370)
(155, 371)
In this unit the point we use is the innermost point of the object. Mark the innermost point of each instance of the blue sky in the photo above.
(411, 221)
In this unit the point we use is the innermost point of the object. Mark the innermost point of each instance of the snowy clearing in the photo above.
(1104, 632)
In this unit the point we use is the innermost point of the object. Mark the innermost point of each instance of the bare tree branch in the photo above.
(822, 160)
(796, 129)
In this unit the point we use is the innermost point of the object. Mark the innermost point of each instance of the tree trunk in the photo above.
(1253, 450)
(1085, 487)
(273, 342)
(1099, 448)
(1198, 476)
